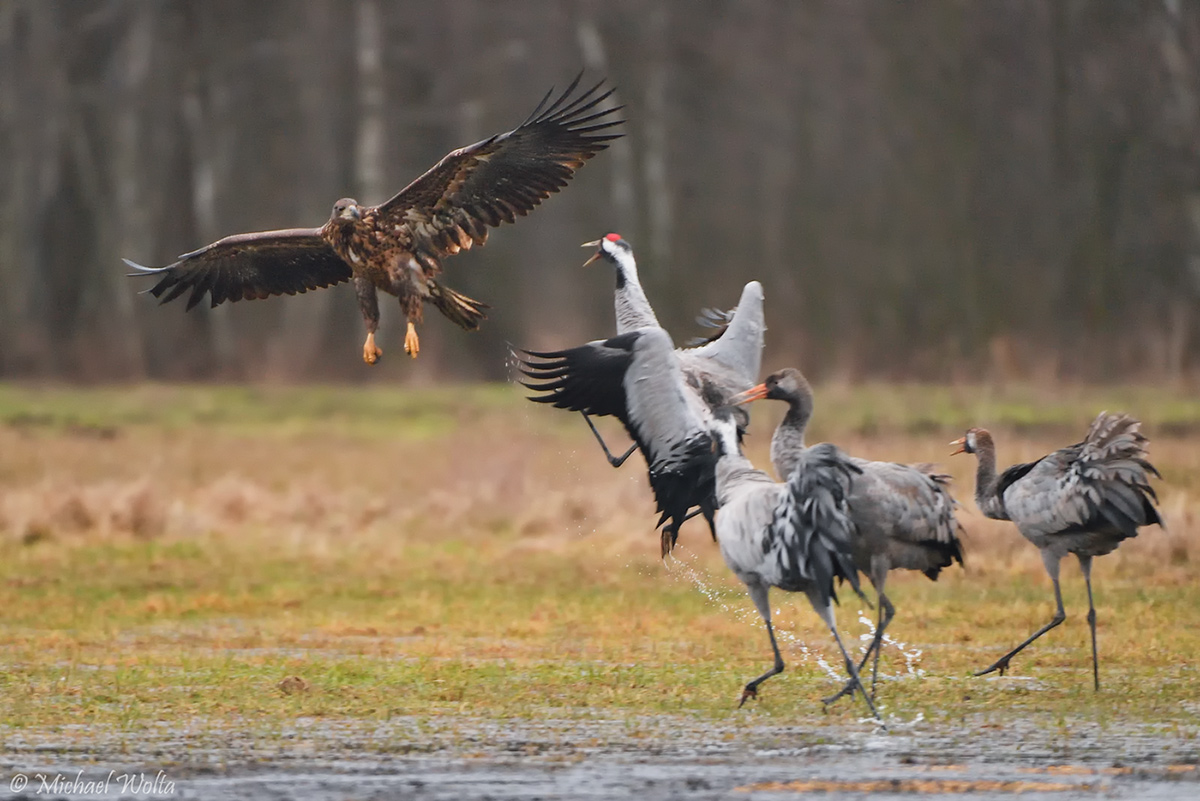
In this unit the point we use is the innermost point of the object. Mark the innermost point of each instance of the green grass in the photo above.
(502, 569)
(134, 633)
(864, 408)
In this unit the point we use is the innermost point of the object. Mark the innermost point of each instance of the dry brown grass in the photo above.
(529, 472)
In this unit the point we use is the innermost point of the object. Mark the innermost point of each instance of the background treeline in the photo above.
(933, 190)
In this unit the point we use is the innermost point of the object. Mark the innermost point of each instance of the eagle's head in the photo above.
(346, 209)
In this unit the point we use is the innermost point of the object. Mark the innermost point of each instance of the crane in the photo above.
(637, 377)
(729, 361)
(795, 535)
(903, 515)
(1084, 499)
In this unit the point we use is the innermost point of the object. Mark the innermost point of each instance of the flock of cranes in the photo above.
(830, 517)
(833, 516)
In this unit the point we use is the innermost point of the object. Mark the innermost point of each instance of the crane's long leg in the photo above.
(878, 575)
(886, 613)
(613, 460)
(758, 593)
(1085, 564)
(1060, 615)
(827, 615)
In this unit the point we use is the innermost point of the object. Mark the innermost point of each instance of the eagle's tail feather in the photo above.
(458, 307)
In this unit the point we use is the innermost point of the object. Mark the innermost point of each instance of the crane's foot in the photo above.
(412, 345)
(748, 694)
(847, 689)
(1001, 666)
(371, 352)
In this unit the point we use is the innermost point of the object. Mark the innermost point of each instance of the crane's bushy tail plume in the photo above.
(461, 310)
(944, 528)
(813, 520)
(1113, 461)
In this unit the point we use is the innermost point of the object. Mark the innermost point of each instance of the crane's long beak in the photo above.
(754, 393)
(595, 243)
(961, 446)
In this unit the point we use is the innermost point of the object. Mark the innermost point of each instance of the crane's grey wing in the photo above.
(748, 502)
(663, 409)
(668, 421)
(1100, 484)
(913, 504)
(739, 348)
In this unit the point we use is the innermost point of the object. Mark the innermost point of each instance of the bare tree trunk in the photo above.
(368, 153)
(305, 320)
(658, 189)
(36, 121)
(13, 178)
(621, 153)
(134, 208)
(1185, 115)
(211, 135)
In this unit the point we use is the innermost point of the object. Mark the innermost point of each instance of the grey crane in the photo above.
(903, 515)
(637, 378)
(583, 379)
(794, 535)
(1084, 499)
(728, 362)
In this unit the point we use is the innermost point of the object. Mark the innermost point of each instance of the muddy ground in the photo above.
(666, 757)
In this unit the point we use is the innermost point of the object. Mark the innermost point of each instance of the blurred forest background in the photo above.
(938, 190)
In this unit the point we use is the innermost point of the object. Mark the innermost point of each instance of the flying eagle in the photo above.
(398, 246)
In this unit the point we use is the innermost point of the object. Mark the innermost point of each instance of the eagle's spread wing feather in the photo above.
(250, 266)
(451, 206)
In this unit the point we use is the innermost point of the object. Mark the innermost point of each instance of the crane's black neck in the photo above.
(788, 440)
(986, 498)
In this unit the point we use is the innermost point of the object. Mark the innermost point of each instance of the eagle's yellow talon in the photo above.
(412, 345)
(371, 352)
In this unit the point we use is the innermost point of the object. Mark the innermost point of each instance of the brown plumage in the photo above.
(1083, 499)
(398, 246)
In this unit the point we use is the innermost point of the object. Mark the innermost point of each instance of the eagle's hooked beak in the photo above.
(351, 213)
(754, 393)
(593, 244)
(960, 446)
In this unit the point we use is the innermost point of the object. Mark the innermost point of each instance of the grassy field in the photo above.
(247, 557)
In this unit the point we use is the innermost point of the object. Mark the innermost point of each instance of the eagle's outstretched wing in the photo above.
(250, 266)
(450, 207)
